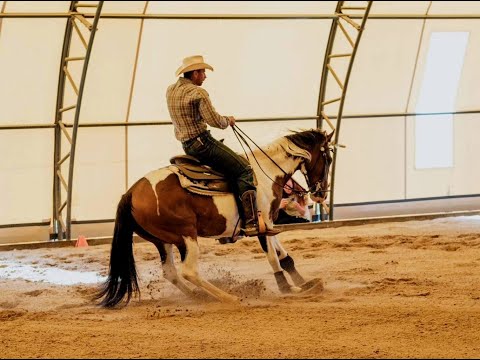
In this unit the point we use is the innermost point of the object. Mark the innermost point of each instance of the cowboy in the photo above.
(191, 110)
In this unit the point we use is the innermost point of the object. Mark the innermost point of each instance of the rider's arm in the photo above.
(208, 112)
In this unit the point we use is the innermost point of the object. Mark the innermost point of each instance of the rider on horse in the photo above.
(191, 110)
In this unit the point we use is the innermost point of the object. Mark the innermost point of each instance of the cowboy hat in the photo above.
(192, 63)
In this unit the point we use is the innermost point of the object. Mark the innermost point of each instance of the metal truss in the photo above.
(351, 31)
(64, 160)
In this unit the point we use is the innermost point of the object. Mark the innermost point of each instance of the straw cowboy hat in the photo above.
(192, 63)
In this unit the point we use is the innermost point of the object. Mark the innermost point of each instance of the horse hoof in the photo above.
(291, 290)
(296, 289)
(312, 286)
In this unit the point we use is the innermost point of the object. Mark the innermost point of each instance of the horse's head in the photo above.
(317, 166)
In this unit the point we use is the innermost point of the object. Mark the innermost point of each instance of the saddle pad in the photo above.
(198, 187)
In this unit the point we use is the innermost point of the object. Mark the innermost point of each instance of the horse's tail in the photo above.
(122, 278)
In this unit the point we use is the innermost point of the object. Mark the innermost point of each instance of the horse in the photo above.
(158, 209)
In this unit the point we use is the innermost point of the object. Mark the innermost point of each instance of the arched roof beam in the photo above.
(64, 160)
(342, 21)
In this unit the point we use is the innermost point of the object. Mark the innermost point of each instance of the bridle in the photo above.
(316, 188)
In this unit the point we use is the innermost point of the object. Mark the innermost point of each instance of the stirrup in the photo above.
(272, 232)
(260, 228)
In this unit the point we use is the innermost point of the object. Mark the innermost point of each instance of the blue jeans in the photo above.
(220, 157)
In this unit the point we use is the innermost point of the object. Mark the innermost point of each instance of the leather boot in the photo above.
(250, 215)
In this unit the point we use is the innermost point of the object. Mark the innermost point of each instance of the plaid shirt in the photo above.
(191, 110)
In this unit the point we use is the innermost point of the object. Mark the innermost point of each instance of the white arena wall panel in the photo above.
(149, 148)
(99, 178)
(468, 94)
(371, 167)
(461, 178)
(26, 175)
(467, 147)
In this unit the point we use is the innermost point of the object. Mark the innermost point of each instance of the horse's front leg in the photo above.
(269, 246)
(286, 261)
(288, 264)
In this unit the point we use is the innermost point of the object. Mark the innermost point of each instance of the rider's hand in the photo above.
(283, 203)
(231, 120)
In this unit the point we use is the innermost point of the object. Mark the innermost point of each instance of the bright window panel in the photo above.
(434, 141)
(434, 134)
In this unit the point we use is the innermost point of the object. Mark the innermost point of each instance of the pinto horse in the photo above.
(161, 211)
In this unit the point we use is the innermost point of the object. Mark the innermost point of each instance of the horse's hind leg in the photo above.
(190, 272)
(169, 269)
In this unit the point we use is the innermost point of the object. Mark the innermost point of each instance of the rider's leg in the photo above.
(236, 168)
(249, 206)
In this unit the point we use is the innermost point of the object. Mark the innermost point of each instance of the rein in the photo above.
(240, 138)
(238, 133)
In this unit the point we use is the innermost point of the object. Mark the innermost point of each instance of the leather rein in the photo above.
(314, 188)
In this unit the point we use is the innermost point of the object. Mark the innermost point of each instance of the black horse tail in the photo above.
(122, 278)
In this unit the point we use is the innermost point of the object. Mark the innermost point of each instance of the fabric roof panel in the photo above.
(107, 86)
(123, 7)
(455, 7)
(382, 72)
(30, 52)
(469, 88)
(262, 68)
(37, 6)
(241, 7)
(399, 7)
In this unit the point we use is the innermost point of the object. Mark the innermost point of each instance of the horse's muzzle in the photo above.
(319, 199)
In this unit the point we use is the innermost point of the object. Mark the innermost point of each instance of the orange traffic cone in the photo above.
(81, 241)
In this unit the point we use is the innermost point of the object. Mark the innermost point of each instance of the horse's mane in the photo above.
(307, 139)
(298, 143)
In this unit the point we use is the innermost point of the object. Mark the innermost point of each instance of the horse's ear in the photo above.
(329, 136)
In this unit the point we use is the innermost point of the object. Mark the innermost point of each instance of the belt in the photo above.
(199, 138)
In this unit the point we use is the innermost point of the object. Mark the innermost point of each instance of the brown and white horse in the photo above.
(159, 210)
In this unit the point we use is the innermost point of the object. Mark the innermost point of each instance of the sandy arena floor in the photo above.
(393, 290)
